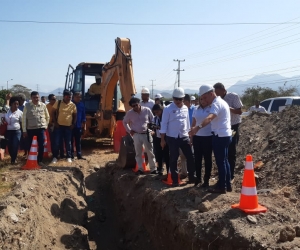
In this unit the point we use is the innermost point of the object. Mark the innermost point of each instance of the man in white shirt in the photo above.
(219, 118)
(135, 123)
(258, 108)
(235, 105)
(175, 126)
(146, 101)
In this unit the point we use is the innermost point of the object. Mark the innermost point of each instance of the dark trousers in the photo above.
(232, 149)
(62, 133)
(184, 145)
(40, 134)
(220, 147)
(76, 136)
(203, 148)
(161, 154)
(13, 140)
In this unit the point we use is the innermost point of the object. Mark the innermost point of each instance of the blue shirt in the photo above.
(191, 111)
(21, 108)
(80, 114)
(175, 121)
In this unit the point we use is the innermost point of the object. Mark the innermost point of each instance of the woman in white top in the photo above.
(202, 143)
(13, 119)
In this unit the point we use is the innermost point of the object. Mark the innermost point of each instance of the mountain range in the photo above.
(273, 81)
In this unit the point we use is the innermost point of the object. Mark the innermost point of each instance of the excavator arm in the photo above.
(118, 70)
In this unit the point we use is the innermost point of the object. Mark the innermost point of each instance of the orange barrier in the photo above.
(119, 132)
(145, 168)
(31, 163)
(169, 180)
(249, 200)
(48, 141)
(46, 155)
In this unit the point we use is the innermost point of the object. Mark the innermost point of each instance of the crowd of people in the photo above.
(64, 119)
(188, 127)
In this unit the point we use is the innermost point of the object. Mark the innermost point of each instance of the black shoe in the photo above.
(197, 182)
(140, 172)
(175, 185)
(160, 173)
(205, 185)
(154, 172)
(217, 191)
(229, 189)
(81, 158)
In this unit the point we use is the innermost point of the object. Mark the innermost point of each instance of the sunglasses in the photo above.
(178, 99)
(134, 105)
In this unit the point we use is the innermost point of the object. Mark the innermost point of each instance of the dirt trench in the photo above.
(96, 205)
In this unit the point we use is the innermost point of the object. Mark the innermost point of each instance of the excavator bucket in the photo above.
(126, 157)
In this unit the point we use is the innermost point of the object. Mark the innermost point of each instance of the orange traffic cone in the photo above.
(46, 155)
(249, 200)
(31, 163)
(169, 180)
(145, 168)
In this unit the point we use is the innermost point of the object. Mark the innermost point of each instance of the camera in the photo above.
(152, 126)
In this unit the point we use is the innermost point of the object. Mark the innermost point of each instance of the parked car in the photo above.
(277, 104)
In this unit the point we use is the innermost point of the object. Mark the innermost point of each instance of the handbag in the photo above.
(3, 126)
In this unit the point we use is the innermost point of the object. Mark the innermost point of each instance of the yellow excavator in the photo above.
(116, 88)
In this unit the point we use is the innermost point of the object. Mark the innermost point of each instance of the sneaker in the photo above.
(54, 160)
(80, 158)
(69, 160)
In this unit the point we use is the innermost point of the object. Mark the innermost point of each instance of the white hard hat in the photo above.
(158, 96)
(193, 98)
(145, 91)
(97, 77)
(204, 89)
(178, 93)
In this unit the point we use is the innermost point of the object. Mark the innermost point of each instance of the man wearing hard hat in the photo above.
(146, 101)
(95, 88)
(158, 99)
(193, 100)
(219, 118)
(175, 127)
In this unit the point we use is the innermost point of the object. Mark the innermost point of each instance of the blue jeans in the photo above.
(184, 145)
(65, 133)
(13, 140)
(220, 147)
(76, 135)
(40, 134)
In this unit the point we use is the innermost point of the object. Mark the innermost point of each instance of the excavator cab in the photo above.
(78, 80)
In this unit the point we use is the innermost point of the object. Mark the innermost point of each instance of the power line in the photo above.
(146, 24)
(178, 69)
(152, 87)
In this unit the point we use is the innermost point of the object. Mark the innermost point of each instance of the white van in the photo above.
(277, 104)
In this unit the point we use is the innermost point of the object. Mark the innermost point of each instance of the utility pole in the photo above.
(152, 87)
(178, 69)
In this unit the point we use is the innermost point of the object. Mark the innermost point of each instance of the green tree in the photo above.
(261, 93)
(3, 94)
(17, 88)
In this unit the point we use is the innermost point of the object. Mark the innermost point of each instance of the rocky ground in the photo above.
(94, 204)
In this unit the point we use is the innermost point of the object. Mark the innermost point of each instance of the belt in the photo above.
(143, 133)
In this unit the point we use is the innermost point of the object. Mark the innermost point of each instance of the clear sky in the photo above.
(32, 54)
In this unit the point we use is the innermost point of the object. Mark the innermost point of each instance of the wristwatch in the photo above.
(199, 126)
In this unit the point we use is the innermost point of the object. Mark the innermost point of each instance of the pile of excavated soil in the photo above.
(274, 142)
